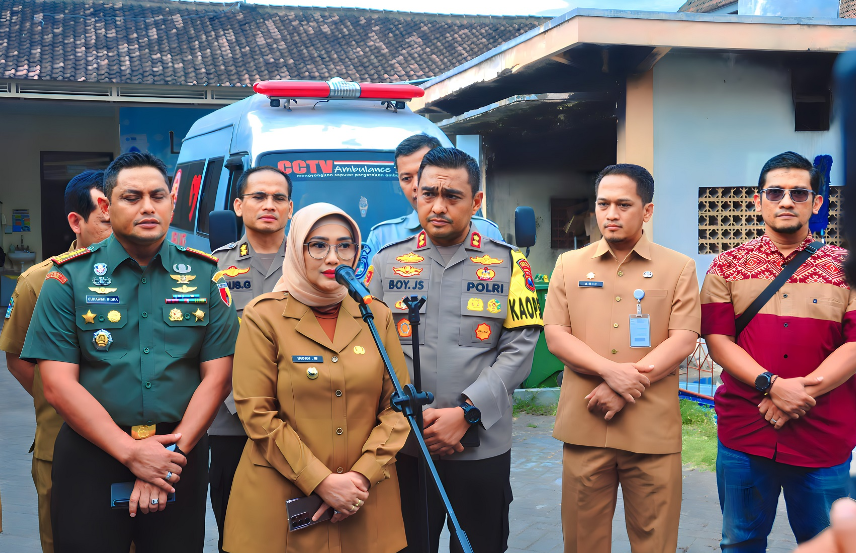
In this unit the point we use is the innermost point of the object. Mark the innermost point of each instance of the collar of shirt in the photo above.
(412, 221)
(768, 247)
(116, 254)
(642, 248)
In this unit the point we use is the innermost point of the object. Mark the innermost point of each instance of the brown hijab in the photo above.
(293, 278)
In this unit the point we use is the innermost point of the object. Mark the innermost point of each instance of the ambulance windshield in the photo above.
(363, 184)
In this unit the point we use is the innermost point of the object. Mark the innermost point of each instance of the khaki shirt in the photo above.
(247, 279)
(18, 317)
(599, 316)
(302, 429)
(478, 329)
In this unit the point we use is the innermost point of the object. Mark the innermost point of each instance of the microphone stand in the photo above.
(409, 402)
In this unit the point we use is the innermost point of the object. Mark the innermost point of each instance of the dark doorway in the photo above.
(57, 168)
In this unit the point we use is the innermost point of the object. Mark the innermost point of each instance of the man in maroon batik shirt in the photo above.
(787, 406)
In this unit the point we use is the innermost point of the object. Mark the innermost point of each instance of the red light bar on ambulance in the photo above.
(338, 89)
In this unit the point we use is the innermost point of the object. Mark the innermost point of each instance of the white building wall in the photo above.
(717, 119)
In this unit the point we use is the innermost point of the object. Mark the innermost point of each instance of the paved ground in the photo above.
(536, 481)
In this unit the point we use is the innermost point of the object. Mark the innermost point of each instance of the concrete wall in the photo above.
(29, 128)
(717, 119)
(509, 189)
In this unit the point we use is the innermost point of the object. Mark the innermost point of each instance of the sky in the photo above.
(488, 7)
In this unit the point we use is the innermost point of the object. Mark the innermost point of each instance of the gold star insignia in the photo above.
(199, 314)
(89, 316)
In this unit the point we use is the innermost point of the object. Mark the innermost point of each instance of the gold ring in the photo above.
(354, 507)
(360, 503)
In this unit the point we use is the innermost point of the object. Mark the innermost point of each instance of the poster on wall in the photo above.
(20, 220)
(147, 129)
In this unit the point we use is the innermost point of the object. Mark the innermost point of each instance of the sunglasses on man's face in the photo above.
(798, 195)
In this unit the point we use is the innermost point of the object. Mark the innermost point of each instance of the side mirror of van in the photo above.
(524, 226)
(223, 225)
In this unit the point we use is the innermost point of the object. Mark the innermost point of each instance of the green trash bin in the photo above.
(545, 364)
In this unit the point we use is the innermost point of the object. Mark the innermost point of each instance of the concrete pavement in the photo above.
(535, 478)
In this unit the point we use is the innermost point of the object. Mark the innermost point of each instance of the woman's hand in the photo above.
(345, 493)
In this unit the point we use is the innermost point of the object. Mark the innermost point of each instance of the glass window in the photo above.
(363, 184)
(209, 193)
(188, 178)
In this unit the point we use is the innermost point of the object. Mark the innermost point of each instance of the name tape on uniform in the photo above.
(307, 359)
(102, 299)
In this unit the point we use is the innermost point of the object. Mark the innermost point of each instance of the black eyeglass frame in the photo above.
(789, 191)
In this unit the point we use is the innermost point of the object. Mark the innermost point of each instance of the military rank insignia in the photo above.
(475, 240)
(421, 240)
(244, 250)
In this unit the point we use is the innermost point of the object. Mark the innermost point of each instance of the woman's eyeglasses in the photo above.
(798, 195)
(261, 197)
(319, 250)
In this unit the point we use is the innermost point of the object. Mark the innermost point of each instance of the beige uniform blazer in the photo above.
(591, 292)
(302, 429)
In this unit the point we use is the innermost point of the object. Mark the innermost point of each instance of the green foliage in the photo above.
(699, 436)
(531, 407)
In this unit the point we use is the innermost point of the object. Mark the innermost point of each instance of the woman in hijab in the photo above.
(314, 397)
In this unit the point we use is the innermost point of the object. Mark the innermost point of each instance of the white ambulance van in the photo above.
(335, 139)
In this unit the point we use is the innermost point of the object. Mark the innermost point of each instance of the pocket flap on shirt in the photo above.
(185, 314)
(102, 316)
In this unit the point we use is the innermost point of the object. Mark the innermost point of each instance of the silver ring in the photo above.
(168, 475)
(774, 421)
(155, 501)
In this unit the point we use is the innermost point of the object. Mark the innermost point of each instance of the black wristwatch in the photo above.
(472, 414)
(764, 381)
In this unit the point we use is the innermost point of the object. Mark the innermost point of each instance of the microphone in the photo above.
(347, 278)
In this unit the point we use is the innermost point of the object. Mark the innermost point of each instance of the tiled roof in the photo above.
(847, 8)
(164, 42)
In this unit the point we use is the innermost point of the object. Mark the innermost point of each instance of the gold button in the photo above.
(338, 393)
(312, 373)
(614, 351)
(340, 470)
(617, 298)
(339, 431)
(614, 325)
(335, 359)
(620, 273)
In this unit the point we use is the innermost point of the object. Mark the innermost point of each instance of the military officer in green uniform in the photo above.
(134, 337)
(252, 267)
(480, 324)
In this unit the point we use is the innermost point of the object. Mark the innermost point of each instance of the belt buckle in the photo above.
(142, 431)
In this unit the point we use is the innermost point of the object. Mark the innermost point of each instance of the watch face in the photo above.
(473, 415)
(762, 381)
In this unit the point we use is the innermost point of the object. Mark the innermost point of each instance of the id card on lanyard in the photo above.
(640, 324)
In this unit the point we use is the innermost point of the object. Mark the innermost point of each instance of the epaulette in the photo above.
(68, 256)
(389, 222)
(200, 253)
(400, 241)
(500, 243)
(228, 246)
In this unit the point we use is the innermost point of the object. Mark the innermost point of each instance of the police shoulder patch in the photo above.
(396, 242)
(68, 256)
(203, 255)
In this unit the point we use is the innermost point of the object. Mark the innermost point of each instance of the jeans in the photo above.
(749, 488)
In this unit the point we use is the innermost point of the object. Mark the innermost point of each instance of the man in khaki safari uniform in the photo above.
(90, 226)
(621, 314)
